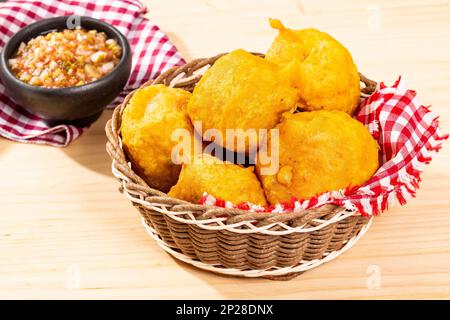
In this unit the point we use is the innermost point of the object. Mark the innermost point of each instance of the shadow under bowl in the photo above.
(79, 105)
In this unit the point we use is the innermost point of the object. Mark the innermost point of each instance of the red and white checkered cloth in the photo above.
(408, 134)
(152, 54)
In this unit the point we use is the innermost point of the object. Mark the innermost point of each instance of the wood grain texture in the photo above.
(62, 219)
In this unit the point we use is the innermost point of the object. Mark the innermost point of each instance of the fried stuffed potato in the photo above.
(319, 151)
(242, 91)
(327, 77)
(221, 179)
(148, 122)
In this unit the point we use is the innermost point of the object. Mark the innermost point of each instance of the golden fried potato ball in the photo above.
(319, 151)
(327, 77)
(220, 179)
(242, 91)
(148, 122)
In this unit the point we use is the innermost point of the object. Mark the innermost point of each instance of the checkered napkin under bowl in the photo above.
(151, 49)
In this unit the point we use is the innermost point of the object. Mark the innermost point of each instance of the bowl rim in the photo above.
(23, 33)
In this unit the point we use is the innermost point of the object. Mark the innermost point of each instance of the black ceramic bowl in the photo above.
(78, 105)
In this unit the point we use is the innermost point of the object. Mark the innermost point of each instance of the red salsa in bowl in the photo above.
(67, 58)
(65, 75)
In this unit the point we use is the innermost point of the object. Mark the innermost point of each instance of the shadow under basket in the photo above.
(277, 246)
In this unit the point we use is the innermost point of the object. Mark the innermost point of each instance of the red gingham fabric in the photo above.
(408, 135)
(152, 54)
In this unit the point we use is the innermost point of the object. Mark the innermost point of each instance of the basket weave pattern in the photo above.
(232, 241)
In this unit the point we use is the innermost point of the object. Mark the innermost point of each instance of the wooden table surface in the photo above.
(66, 232)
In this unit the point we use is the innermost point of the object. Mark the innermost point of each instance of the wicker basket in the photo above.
(230, 241)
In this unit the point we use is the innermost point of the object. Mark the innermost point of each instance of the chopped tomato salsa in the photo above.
(65, 59)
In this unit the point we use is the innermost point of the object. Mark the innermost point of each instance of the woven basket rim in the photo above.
(231, 219)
